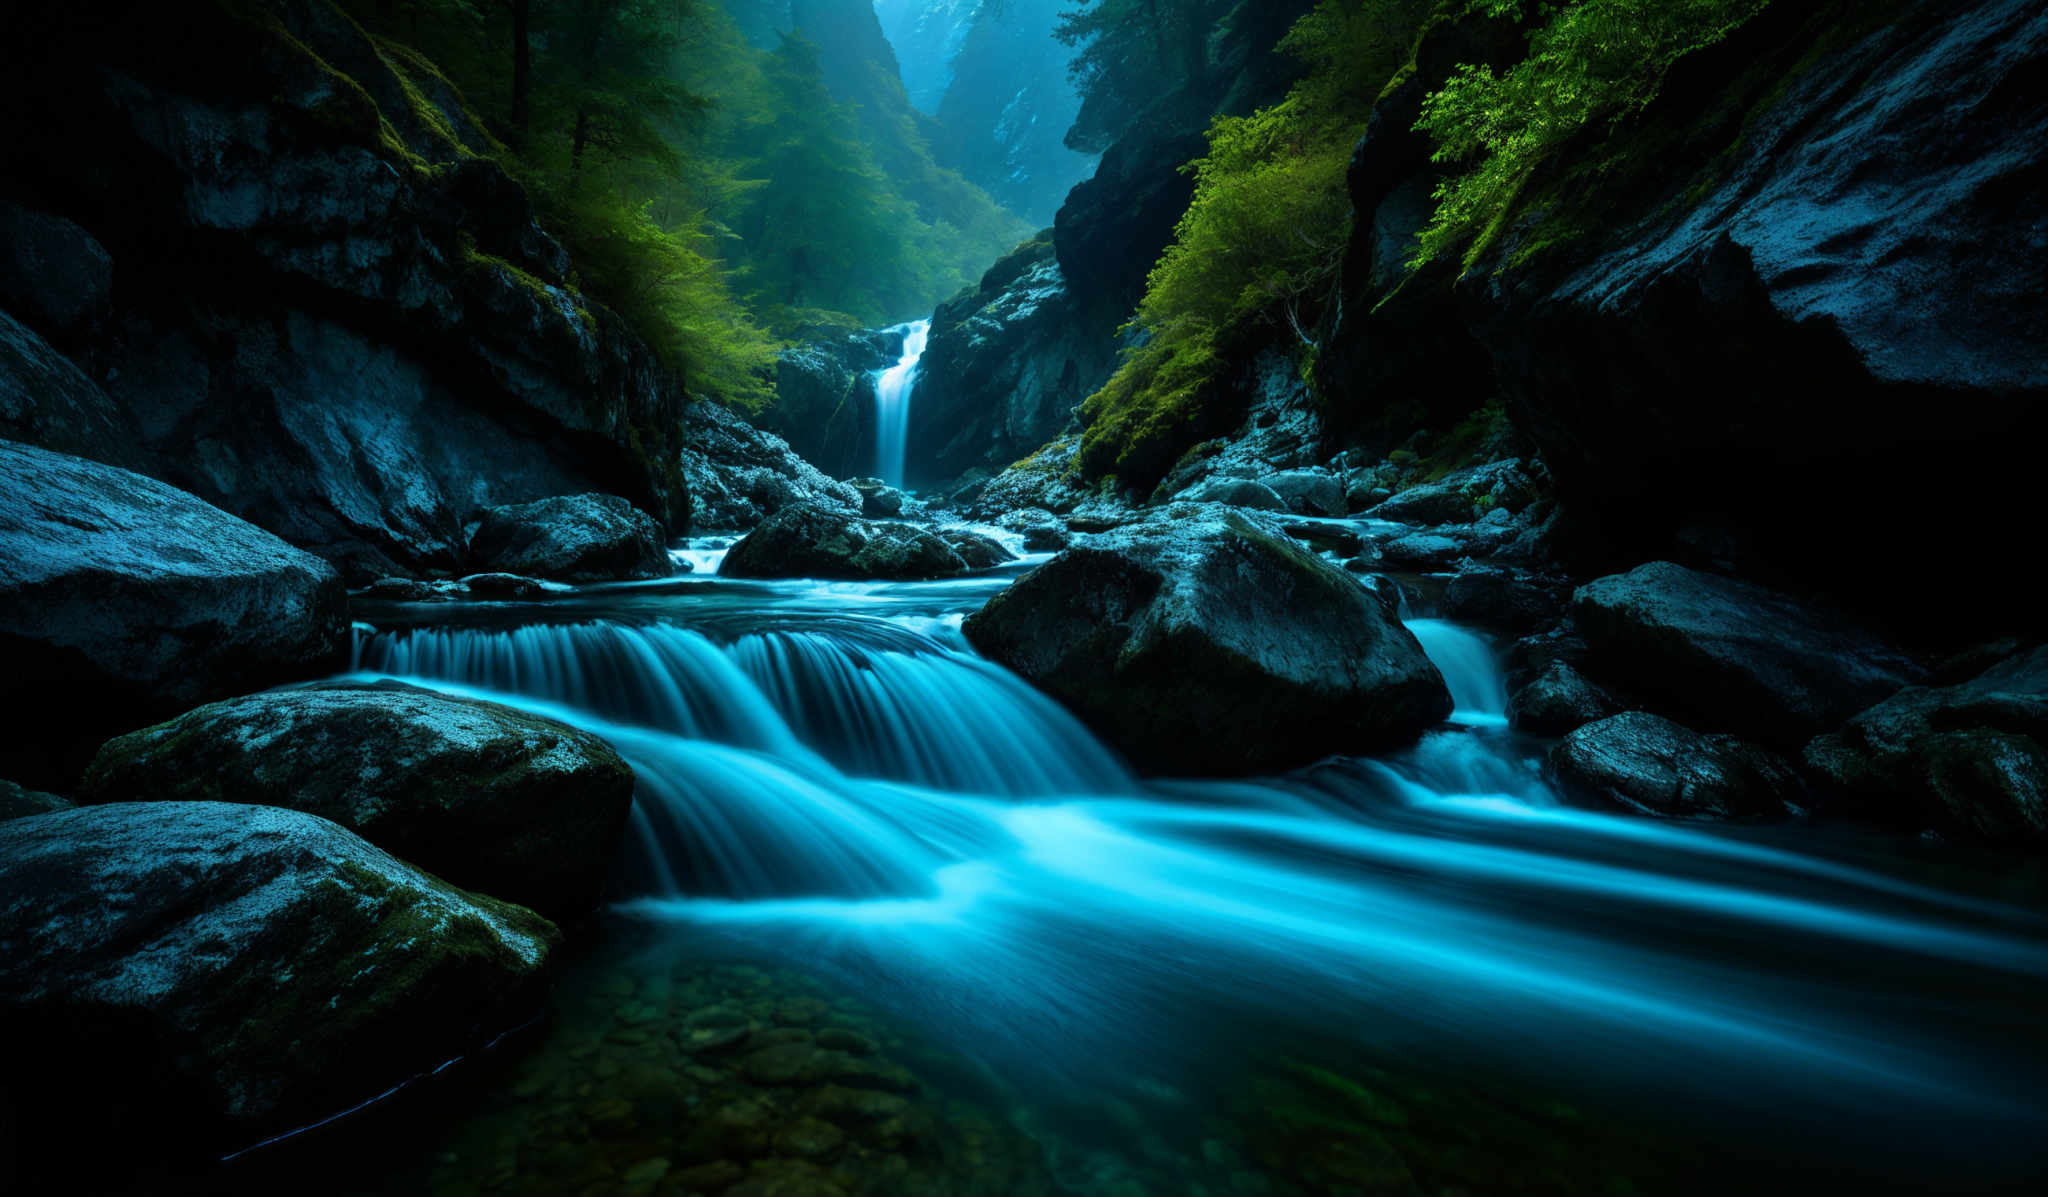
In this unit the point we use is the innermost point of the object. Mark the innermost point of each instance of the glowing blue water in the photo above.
(892, 402)
(933, 831)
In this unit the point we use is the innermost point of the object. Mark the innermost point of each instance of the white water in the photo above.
(892, 402)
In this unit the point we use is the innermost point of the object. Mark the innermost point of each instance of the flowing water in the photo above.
(1141, 974)
(892, 402)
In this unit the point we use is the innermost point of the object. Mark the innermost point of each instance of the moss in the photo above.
(563, 298)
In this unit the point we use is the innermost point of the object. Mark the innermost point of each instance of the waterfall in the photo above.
(1479, 692)
(892, 402)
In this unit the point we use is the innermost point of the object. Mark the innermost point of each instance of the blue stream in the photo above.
(862, 793)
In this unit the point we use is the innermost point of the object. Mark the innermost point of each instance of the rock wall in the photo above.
(327, 312)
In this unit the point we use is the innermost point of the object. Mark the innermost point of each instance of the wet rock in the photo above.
(123, 600)
(978, 550)
(1206, 643)
(806, 541)
(47, 401)
(493, 799)
(1236, 492)
(1307, 492)
(1733, 655)
(408, 590)
(740, 475)
(503, 586)
(18, 803)
(1042, 530)
(573, 538)
(1646, 763)
(1463, 496)
(1971, 757)
(1559, 700)
(1505, 600)
(1327, 537)
(216, 972)
(879, 500)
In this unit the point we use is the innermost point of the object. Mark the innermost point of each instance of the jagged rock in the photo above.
(46, 401)
(572, 538)
(1202, 642)
(825, 397)
(490, 798)
(1971, 756)
(1646, 763)
(807, 541)
(52, 269)
(18, 803)
(978, 550)
(739, 475)
(123, 600)
(189, 977)
(1558, 701)
(1735, 656)
(1308, 492)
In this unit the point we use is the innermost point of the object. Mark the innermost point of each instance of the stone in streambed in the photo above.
(1645, 763)
(808, 541)
(573, 538)
(190, 976)
(1208, 643)
(1236, 492)
(979, 551)
(1558, 701)
(879, 500)
(123, 600)
(1734, 656)
(493, 799)
(1972, 756)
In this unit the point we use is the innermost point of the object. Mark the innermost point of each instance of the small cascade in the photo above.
(1479, 691)
(892, 402)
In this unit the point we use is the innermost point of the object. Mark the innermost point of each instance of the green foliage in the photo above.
(1592, 62)
(1263, 239)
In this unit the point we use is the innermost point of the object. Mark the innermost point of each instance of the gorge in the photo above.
(589, 609)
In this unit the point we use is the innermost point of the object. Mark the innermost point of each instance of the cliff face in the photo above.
(1799, 329)
(325, 308)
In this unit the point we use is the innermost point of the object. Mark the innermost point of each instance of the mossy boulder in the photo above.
(493, 799)
(1735, 656)
(1971, 757)
(571, 538)
(810, 541)
(1203, 642)
(185, 977)
(123, 600)
(1646, 764)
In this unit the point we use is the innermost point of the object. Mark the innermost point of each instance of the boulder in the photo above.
(18, 803)
(491, 798)
(1971, 757)
(1307, 492)
(46, 401)
(1203, 642)
(1237, 492)
(52, 268)
(187, 977)
(574, 538)
(879, 500)
(1734, 656)
(123, 601)
(979, 551)
(739, 475)
(1463, 496)
(1645, 763)
(502, 586)
(1558, 701)
(1505, 600)
(1042, 530)
(808, 541)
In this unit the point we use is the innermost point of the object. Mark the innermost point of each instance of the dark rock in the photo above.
(878, 500)
(188, 977)
(17, 803)
(52, 269)
(46, 401)
(1237, 492)
(1206, 643)
(1046, 538)
(573, 538)
(1335, 538)
(739, 475)
(1505, 600)
(806, 541)
(1971, 757)
(825, 398)
(1308, 492)
(504, 586)
(123, 601)
(1462, 497)
(1735, 656)
(1646, 763)
(493, 799)
(408, 590)
(1558, 701)
(979, 551)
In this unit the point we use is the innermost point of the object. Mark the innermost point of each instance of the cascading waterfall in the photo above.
(939, 834)
(892, 402)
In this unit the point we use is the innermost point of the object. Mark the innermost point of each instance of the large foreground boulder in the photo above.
(1647, 764)
(810, 541)
(188, 976)
(1971, 757)
(1206, 643)
(1733, 655)
(493, 799)
(123, 601)
(572, 538)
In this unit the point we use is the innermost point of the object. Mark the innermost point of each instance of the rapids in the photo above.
(828, 773)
